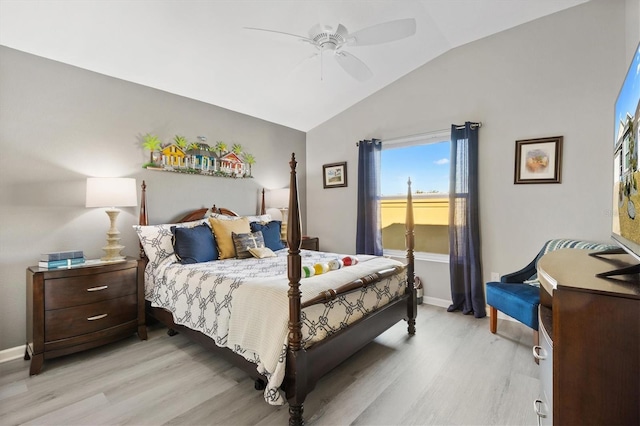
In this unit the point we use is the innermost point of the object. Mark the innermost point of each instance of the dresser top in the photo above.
(574, 268)
(86, 268)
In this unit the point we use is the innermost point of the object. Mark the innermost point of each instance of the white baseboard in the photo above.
(443, 303)
(11, 354)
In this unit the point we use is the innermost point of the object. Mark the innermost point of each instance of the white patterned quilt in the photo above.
(242, 304)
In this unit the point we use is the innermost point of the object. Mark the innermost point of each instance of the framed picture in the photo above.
(538, 160)
(335, 175)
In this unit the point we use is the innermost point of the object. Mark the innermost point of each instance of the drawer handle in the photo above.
(97, 317)
(102, 287)
(537, 407)
(539, 353)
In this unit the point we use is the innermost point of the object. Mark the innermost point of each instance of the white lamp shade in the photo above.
(111, 192)
(279, 198)
(276, 214)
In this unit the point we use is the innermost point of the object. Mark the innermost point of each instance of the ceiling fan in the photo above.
(335, 39)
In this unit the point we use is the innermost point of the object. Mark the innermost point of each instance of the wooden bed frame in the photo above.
(304, 367)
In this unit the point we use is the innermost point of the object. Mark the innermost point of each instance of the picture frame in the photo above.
(335, 175)
(538, 160)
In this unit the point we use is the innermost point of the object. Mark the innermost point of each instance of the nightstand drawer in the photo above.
(69, 322)
(73, 291)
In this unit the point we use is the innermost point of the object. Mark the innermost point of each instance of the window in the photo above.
(426, 161)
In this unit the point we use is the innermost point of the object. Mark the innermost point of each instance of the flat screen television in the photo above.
(625, 228)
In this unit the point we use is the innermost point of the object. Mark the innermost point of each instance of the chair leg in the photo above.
(493, 319)
(536, 342)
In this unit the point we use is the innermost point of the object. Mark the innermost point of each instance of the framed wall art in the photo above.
(538, 160)
(335, 175)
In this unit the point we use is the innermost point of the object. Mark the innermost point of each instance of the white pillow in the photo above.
(259, 218)
(156, 240)
(261, 252)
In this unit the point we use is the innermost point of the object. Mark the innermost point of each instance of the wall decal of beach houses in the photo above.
(183, 156)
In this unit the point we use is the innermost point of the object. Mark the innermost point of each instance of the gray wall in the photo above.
(558, 75)
(60, 124)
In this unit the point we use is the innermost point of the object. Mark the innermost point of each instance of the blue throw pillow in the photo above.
(270, 233)
(194, 245)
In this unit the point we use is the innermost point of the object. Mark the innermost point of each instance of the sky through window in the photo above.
(427, 165)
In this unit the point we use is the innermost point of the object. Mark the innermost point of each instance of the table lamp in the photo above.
(279, 199)
(112, 193)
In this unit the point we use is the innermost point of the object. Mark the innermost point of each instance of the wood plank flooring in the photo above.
(453, 372)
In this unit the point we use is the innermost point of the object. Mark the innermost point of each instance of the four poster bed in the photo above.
(278, 349)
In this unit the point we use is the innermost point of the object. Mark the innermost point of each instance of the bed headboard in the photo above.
(200, 213)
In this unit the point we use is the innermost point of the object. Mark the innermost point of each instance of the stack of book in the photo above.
(61, 259)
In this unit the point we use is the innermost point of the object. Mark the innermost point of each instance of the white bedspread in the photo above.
(242, 304)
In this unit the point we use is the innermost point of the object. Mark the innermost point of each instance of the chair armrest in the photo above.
(521, 275)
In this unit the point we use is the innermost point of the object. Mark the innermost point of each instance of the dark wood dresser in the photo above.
(593, 327)
(70, 310)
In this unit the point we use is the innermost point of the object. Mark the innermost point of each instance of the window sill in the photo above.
(423, 256)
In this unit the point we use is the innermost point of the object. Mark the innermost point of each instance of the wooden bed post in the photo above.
(294, 268)
(297, 383)
(412, 303)
(143, 219)
(263, 208)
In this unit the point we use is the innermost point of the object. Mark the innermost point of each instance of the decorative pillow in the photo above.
(243, 242)
(270, 232)
(222, 229)
(156, 240)
(194, 245)
(262, 252)
(260, 218)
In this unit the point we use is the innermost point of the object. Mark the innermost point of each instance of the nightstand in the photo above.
(310, 243)
(78, 308)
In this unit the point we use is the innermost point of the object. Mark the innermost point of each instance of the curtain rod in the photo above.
(425, 135)
(478, 125)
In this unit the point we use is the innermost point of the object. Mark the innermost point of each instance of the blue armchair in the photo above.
(518, 294)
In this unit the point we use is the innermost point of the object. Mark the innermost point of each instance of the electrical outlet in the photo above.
(495, 276)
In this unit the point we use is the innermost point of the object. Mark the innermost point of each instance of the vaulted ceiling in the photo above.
(202, 50)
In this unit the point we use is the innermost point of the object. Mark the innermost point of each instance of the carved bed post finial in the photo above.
(263, 208)
(412, 303)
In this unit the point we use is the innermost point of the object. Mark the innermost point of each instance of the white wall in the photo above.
(632, 26)
(558, 75)
(60, 124)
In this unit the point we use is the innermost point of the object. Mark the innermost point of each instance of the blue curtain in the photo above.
(368, 231)
(465, 263)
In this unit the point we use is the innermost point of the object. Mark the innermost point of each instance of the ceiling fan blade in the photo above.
(383, 33)
(303, 38)
(353, 66)
(300, 63)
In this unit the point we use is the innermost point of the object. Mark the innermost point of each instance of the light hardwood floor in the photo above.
(453, 372)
